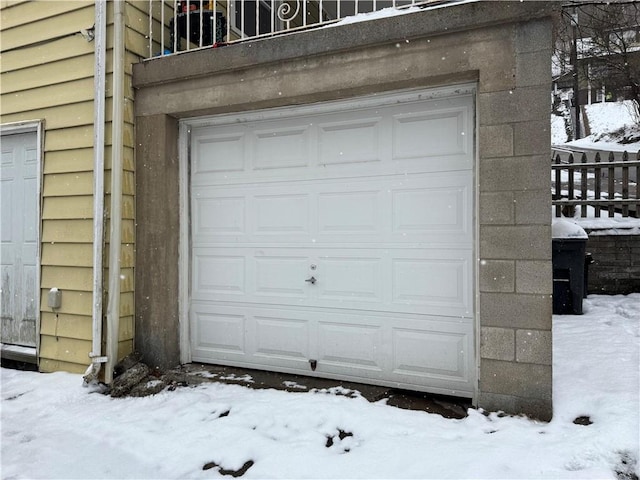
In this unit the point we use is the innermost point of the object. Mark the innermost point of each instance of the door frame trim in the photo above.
(184, 247)
(15, 128)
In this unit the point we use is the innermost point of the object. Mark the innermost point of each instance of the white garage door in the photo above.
(337, 240)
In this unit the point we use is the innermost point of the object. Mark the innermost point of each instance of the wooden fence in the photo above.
(606, 182)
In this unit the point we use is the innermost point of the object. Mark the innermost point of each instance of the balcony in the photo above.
(178, 26)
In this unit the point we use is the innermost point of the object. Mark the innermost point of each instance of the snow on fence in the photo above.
(606, 182)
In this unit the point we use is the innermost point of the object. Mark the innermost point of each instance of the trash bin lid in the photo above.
(563, 228)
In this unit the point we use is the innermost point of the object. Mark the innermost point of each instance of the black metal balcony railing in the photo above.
(182, 25)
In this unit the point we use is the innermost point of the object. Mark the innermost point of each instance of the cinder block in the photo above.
(518, 242)
(534, 36)
(533, 68)
(497, 276)
(497, 343)
(516, 310)
(522, 104)
(533, 207)
(496, 141)
(534, 277)
(514, 174)
(496, 50)
(533, 138)
(496, 208)
(518, 379)
(534, 346)
(532, 407)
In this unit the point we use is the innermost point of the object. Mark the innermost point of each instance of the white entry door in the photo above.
(19, 197)
(337, 240)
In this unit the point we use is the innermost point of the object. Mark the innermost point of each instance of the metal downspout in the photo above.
(115, 234)
(99, 79)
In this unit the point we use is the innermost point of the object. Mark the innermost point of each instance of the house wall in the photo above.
(506, 50)
(51, 78)
(47, 72)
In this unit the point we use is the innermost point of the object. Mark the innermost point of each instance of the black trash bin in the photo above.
(569, 269)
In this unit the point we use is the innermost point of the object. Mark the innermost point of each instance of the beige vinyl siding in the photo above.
(66, 326)
(47, 73)
(70, 18)
(36, 11)
(67, 254)
(136, 21)
(66, 334)
(62, 116)
(44, 53)
(73, 160)
(48, 365)
(67, 207)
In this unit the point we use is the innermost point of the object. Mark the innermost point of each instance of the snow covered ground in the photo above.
(52, 427)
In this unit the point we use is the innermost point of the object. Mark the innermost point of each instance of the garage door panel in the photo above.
(431, 355)
(363, 215)
(340, 237)
(281, 277)
(282, 337)
(426, 134)
(350, 141)
(438, 284)
(422, 208)
(349, 279)
(218, 215)
(413, 137)
(281, 148)
(218, 332)
(350, 346)
(219, 153)
(432, 281)
(280, 213)
(426, 351)
(428, 209)
(218, 274)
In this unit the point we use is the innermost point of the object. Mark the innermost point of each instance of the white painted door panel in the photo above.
(404, 280)
(19, 234)
(376, 204)
(427, 352)
(419, 208)
(402, 137)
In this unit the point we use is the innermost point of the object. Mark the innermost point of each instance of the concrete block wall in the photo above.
(504, 49)
(616, 267)
(515, 271)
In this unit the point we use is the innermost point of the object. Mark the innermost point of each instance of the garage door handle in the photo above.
(311, 280)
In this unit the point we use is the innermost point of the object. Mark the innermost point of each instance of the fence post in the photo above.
(571, 209)
(583, 186)
(598, 184)
(625, 184)
(558, 186)
(612, 184)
